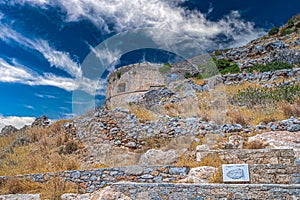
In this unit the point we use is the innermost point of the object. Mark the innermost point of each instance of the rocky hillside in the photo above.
(189, 126)
(281, 45)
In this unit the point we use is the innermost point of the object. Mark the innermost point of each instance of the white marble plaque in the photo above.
(235, 173)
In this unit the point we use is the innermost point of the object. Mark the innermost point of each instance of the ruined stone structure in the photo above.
(128, 83)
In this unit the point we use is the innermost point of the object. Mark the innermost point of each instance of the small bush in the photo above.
(269, 67)
(285, 31)
(291, 22)
(218, 53)
(165, 68)
(71, 147)
(188, 75)
(225, 66)
(199, 76)
(274, 31)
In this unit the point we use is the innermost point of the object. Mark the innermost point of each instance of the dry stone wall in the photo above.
(170, 191)
(251, 156)
(93, 180)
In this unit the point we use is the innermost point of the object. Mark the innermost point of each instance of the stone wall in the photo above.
(124, 82)
(207, 191)
(261, 78)
(271, 174)
(92, 180)
(252, 156)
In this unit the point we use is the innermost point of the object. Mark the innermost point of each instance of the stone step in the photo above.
(250, 156)
(169, 191)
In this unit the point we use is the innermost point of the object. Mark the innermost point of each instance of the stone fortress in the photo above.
(128, 83)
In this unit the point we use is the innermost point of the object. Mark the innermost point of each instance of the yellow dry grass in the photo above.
(142, 114)
(40, 153)
(52, 189)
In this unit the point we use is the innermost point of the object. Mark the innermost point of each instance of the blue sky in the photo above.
(44, 42)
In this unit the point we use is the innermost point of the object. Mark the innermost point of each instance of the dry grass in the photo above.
(290, 109)
(172, 109)
(142, 114)
(253, 116)
(236, 116)
(200, 82)
(213, 160)
(189, 157)
(255, 144)
(156, 143)
(218, 177)
(52, 189)
(41, 153)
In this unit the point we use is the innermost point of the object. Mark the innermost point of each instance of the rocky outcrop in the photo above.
(42, 121)
(8, 130)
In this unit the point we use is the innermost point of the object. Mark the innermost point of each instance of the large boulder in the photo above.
(159, 157)
(200, 175)
(109, 193)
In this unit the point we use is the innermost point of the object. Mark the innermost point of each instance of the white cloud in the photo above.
(46, 96)
(162, 14)
(19, 74)
(29, 107)
(17, 122)
(56, 58)
(125, 15)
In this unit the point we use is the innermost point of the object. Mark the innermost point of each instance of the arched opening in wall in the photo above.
(121, 88)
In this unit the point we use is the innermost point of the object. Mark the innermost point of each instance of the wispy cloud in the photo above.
(162, 14)
(18, 122)
(29, 107)
(56, 58)
(18, 73)
(45, 96)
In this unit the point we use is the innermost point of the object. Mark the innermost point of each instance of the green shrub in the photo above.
(274, 31)
(286, 31)
(165, 68)
(269, 67)
(218, 53)
(291, 22)
(199, 76)
(225, 66)
(188, 75)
